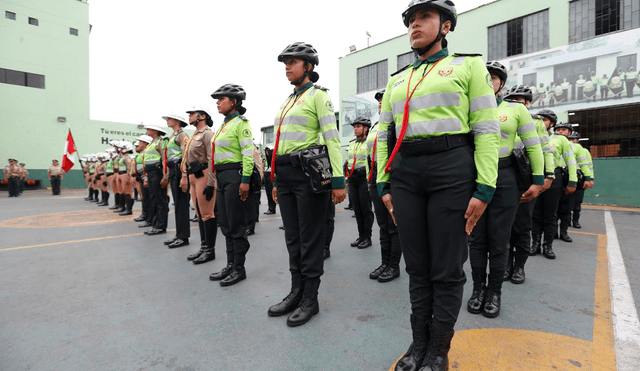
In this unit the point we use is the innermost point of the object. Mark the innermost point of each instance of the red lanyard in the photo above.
(275, 150)
(353, 166)
(213, 145)
(373, 157)
(405, 117)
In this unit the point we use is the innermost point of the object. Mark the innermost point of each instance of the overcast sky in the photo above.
(148, 58)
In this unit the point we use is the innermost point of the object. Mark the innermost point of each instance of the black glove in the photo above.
(98, 176)
(208, 192)
(104, 184)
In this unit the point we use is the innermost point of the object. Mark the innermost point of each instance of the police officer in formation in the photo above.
(357, 169)
(305, 115)
(55, 174)
(390, 249)
(141, 144)
(13, 174)
(156, 179)
(583, 157)
(173, 154)
(233, 165)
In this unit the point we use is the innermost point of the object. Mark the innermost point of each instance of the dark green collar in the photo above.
(499, 100)
(231, 117)
(303, 88)
(433, 58)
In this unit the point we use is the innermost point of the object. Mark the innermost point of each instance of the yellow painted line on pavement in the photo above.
(612, 208)
(589, 233)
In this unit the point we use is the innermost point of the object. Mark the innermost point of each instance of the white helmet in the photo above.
(203, 108)
(135, 144)
(157, 127)
(145, 138)
(114, 143)
(94, 158)
(101, 156)
(184, 121)
(127, 146)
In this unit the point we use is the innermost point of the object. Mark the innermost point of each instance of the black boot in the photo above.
(292, 300)
(203, 242)
(366, 242)
(237, 274)
(106, 199)
(121, 203)
(210, 233)
(393, 270)
(128, 206)
(417, 351)
(535, 244)
(476, 301)
(141, 218)
(491, 308)
(308, 306)
(385, 263)
(217, 276)
(95, 196)
(547, 247)
(101, 202)
(437, 358)
(90, 196)
(576, 224)
(564, 236)
(518, 268)
(116, 199)
(509, 270)
(356, 242)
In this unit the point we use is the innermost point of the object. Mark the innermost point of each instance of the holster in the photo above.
(195, 168)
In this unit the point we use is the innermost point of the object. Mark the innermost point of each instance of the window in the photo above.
(21, 78)
(372, 77)
(612, 131)
(530, 80)
(269, 136)
(406, 59)
(33, 21)
(73, 31)
(627, 61)
(10, 15)
(526, 34)
(591, 18)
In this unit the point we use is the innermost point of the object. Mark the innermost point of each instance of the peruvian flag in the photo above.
(68, 159)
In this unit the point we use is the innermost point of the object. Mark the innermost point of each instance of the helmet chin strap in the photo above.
(421, 51)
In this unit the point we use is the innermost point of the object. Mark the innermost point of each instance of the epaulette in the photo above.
(402, 69)
(320, 87)
(467, 55)
(243, 118)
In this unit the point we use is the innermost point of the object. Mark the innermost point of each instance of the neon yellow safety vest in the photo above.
(234, 144)
(151, 154)
(563, 155)
(456, 97)
(174, 154)
(583, 160)
(357, 150)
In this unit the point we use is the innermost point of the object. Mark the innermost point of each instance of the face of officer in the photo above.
(379, 106)
(295, 68)
(150, 132)
(55, 163)
(563, 131)
(497, 83)
(359, 130)
(173, 124)
(547, 122)
(225, 104)
(424, 25)
(574, 140)
(142, 145)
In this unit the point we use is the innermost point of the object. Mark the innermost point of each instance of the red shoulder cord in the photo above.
(275, 149)
(213, 146)
(373, 156)
(353, 165)
(165, 156)
(405, 118)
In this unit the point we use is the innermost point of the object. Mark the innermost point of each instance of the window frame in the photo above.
(10, 15)
(34, 21)
(71, 31)
(500, 36)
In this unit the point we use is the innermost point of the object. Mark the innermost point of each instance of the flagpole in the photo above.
(76, 148)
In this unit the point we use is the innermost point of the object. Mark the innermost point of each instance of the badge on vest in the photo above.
(444, 72)
(503, 118)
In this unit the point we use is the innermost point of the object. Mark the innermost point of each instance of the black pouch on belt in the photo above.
(520, 161)
(565, 176)
(316, 165)
(581, 179)
(196, 169)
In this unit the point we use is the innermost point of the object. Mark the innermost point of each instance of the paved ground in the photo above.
(84, 289)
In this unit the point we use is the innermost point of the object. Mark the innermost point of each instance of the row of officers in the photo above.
(16, 175)
(440, 170)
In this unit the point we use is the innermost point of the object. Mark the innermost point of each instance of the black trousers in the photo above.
(545, 212)
(577, 205)
(181, 203)
(145, 200)
(390, 248)
(630, 85)
(521, 230)
(490, 236)
(330, 223)
(232, 216)
(268, 188)
(304, 218)
(430, 195)
(252, 209)
(55, 184)
(14, 185)
(564, 210)
(359, 191)
(159, 198)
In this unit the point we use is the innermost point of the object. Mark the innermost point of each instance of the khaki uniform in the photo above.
(55, 174)
(198, 149)
(12, 174)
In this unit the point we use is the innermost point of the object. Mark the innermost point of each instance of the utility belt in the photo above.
(230, 166)
(122, 172)
(255, 182)
(359, 171)
(565, 177)
(197, 168)
(314, 162)
(428, 146)
(109, 173)
(153, 167)
(504, 162)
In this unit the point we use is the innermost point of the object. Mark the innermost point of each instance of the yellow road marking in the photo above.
(508, 349)
(612, 208)
(589, 233)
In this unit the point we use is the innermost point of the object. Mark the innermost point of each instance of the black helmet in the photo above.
(446, 7)
(548, 114)
(574, 135)
(519, 91)
(300, 50)
(379, 94)
(362, 121)
(563, 125)
(231, 91)
(497, 68)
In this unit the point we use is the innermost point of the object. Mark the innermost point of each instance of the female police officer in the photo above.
(305, 115)
(233, 159)
(357, 168)
(440, 106)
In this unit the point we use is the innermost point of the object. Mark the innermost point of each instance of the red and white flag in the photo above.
(68, 159)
